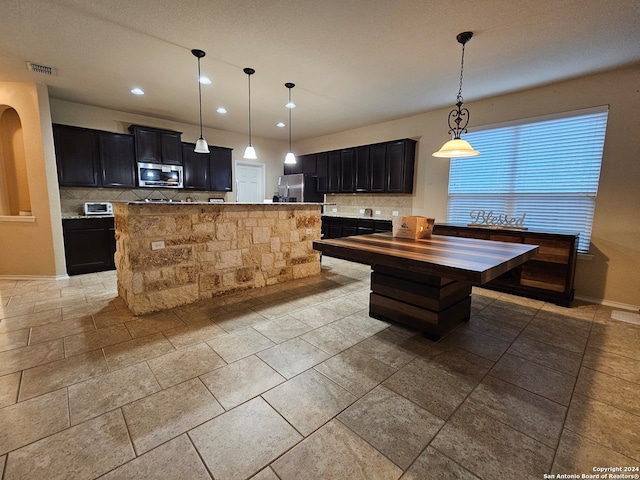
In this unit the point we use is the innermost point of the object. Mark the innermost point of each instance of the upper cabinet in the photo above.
(207, 171)
(77, 156)
(154, 145)
(220, 169)
(379, 168)
(92, 158)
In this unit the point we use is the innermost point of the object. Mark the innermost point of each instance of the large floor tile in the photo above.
(30, 356)
(292, 357)
(395, 426)
(609, 426)
(616, 337)
(113, 317)
(316, 316)
(600, 386)
(355, 371)
(527, 412)
(61, 329)
(86, 451)
(61, 373)
(555, 358)
(137, 350)
(14, 339)
(240, 344)
(433, 465)
(335, 452)
(168, 413)
(239, 319)
(265, 474)
(98, 395)
(485, 346)
(26, 422)
(391, 346)
(360, 325)
(329, 339)
(152, 323)
(491, 449)
(493, 328)
(92, 340)
(241, 442)
(282, 329)
(176, 367)
(240, 381)
(612, 364)
(560, 331)
(552, 384)
(9, 389)
(23, 320)
(192, 333)
(176, 459)
(579, 455)
(309, 400)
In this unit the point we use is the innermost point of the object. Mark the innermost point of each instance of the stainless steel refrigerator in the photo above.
(299, 188)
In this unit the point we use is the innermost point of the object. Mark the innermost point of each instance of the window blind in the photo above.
(547, 169)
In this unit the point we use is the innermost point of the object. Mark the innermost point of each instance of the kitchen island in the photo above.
(171, 254)
(426, 283)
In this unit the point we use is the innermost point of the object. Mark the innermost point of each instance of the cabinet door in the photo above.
(400, 160)
(77, 156)
(308, 163)
(89, 245)
(293, 168)
(333, 177)
(322, 169)
(361, 164)
(147, 146)
(157, 146)
(196, 168)
(117, 159)
(220, 168)
(347, 170)
(377, 167)
(171, 148)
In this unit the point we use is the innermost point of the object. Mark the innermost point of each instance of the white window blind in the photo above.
(548, 169)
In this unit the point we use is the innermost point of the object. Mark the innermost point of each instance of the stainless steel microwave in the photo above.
(160, 176)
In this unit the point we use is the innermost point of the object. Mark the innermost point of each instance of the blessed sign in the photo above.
(489, 219)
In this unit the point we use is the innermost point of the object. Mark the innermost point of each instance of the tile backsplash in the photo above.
(72, 199)
(386, 204)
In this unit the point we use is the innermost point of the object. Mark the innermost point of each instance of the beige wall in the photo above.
(270, 152)
(33, 248)
(612, 272)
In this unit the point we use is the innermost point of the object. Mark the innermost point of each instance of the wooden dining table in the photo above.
(426, 283)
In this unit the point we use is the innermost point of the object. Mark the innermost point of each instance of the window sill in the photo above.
(586, 256)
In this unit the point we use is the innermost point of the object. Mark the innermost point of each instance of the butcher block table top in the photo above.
(465, 259)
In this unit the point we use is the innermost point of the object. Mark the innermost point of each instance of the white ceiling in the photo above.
(354, 62)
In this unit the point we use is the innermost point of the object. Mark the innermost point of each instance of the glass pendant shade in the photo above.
(456, 148)
(250, 152)
(201, 146)
(290, 158)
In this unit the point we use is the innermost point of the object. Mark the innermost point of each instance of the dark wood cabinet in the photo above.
(196, 168)
(347, 170)
(336, 227)
(361, 165)
(154, 145)
(293, 168)
(548, 276)
(77, 156)
(117, 160)
(89, 244)
(221, 169)
(400, 160)
(377, 167)
(308, 163)
(322, 169)
(333, 180)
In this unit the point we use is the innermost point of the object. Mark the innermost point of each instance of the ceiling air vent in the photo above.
(43, 69)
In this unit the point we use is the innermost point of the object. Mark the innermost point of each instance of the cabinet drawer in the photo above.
(505, 238)
(544, 276)
(550, 250)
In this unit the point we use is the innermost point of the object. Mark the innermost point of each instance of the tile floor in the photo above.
(296, 381)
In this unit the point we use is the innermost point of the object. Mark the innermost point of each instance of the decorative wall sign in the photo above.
(489, 219)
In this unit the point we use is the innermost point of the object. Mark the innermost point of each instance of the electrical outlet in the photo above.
(362, 210)
(377, 212)
(334, 210)
(395, 213)
(309, 231)
(157, 245)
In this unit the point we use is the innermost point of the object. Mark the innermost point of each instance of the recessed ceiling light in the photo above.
(205, 80)
(221, 110)
(137, 91)
(280, 125)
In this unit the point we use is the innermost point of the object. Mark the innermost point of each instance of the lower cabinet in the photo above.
(89, 244)
(336, 227)
(548, 276)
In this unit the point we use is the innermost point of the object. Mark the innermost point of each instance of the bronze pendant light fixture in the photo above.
(290, 158)
(458, 118)
(249, 152)
(201, 144)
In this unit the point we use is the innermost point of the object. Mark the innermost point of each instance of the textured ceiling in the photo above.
(354, 62)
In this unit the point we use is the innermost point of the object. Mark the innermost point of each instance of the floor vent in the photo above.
(43, 69)
(628, 317)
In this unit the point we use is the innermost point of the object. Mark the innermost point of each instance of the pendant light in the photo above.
(459, 116)
(201, 144)
(250, 152)
(290, 158)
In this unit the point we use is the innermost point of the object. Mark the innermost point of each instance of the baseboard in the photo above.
(608, 303)
(34, 277)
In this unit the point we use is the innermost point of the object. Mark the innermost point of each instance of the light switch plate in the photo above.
(394, 213)
(308, 231)
(377, 212)
(362, 210)
(157, 245)
(334, 210)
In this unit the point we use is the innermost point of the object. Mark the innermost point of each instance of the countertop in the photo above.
(226, 203)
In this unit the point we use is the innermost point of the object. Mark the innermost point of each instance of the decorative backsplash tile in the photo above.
(351, 205)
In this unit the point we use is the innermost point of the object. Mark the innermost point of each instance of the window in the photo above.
(546, 169)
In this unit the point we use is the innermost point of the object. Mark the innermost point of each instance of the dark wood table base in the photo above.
(432, 305)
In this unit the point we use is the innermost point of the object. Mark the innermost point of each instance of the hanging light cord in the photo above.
(200, 96)
(459, 96)
(290, 121)
(249, 76)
